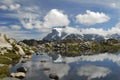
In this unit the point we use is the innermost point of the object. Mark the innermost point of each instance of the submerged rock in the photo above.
(54, 76)
(22, 69)
(46, 69)
(43, 61)
(23, 61)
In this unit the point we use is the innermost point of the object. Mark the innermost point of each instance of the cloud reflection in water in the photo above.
(92, 71)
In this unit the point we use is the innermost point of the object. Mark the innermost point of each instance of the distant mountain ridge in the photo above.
(77, 33)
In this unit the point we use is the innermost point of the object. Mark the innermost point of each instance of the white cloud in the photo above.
(55, 18)
(10, 7)
(20, 34)
(15, 27)
(91, 71)
(93, 58)
(98, 31)
(114, 30)
(101, 57)
(114, 5)
(117, 25)
(3, 7)
(27, 25)
(72, 30)
(14, 6)
(91, 18)
(60, 69)
(28, 17)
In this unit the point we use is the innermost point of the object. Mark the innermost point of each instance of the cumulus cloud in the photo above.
(14, 6)
(97, 31)
(56, 18)
(27, 25)
(114, 30)
(91, 18)
(52, 19)
(10, 7)
(114, 5)
(92, 71)
(20, 34)
(3, 7)
(15, 27)
(81, 31)
(28, 17)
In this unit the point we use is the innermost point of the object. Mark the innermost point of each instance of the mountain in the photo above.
(72, 33)
(115, 36)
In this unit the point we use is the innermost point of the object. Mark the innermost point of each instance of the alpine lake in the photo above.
(102, 66)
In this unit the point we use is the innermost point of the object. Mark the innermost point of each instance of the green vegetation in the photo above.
(78, 47)
(14, 47)
(26, 49)
(5, 60)
(14, 57)
(10, 55)
(9, 58)
(4, 71)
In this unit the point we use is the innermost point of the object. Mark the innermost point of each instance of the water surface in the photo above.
(104, 66)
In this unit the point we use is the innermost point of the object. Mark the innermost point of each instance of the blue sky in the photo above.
(34, 19)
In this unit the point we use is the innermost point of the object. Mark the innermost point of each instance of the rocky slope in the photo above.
(10, 53)
(10, 45)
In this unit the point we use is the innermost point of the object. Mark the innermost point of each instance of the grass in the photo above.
(4, 60)
(4, 71)
(7, 59)
(12, 55)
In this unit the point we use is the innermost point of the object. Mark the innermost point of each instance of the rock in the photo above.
(37, 53)
(22, 69)
(59, 59)
(23, 61)
(31, 51)
(19, 75)
(21, 52)
(4, 42)
(27, 56)
(43, 61)
(54, 76)
(46, 69)
(41, 53)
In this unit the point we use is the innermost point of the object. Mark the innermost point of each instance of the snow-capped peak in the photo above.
(88, 33)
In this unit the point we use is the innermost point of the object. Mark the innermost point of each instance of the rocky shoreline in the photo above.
(11, 52)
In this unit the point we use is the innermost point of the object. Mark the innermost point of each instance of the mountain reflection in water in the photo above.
(104, 66)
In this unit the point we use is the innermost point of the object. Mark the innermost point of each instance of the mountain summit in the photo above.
(77, 33)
